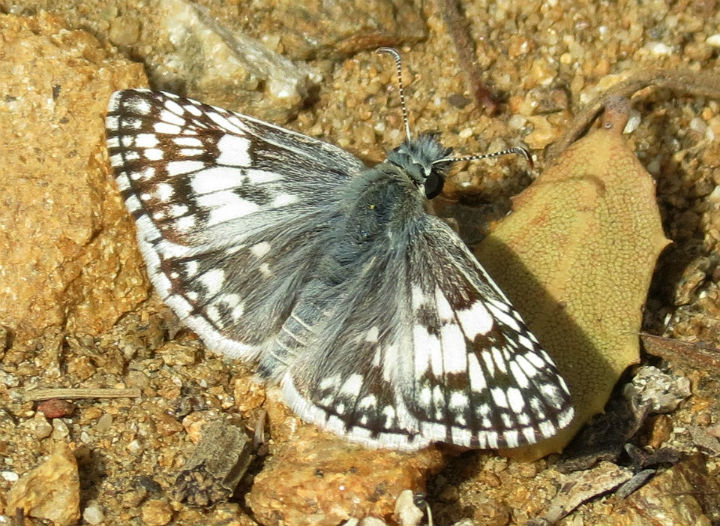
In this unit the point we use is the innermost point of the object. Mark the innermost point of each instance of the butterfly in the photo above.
(373, 316)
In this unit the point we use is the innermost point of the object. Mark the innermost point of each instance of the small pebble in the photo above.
(93, 514)
(156, 513)
(41, 428)
(60, 429)
(56, 408)
(10, 476)
(406, 512)
(104, 423)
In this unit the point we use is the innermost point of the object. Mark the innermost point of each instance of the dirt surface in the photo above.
(76, 310)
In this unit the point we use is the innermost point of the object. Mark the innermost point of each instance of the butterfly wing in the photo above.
(430, 350)
(226, 210)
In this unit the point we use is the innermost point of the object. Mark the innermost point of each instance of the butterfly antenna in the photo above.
(398, 66)
(514, 150)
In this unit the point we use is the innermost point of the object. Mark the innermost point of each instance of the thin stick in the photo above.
(33, 395)
(698, 354)
(699, 84)
(466, 52)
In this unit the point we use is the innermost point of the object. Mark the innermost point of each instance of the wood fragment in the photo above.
(582, 487)
(19, 517)
(216, 466)
(34, 395)
(259, 438)
(698, 355)
(635, 483)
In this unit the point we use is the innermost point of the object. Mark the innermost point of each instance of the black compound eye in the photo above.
(434, 184)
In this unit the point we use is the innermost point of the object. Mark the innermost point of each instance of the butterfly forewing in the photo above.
(222, 204)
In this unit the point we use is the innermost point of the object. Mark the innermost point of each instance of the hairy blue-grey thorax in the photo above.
(419, 159)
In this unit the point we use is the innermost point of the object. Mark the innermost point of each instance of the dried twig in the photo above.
(19, 517)
(34, 395)
(696, 354)
(701, 84)
(457, 27)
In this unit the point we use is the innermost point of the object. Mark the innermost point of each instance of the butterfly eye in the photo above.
(434, 184)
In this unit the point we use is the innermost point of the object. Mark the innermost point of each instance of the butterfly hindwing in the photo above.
(350, 350)
(444, 355)
(480, 377)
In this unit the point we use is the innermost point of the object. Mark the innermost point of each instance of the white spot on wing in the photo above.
(260, 249)
(166, 128)
(215, 179)
(170, 117)
(511, 438)
(515, 398)
(547, 429)
(191, 268)
(458, 401)
(185, 224)
(238, 123)
(178, 210)
(223, 122)
(499, 360)
(153, 154)
(265, 270)
(213, 280)
(330, 382)
(503, 317)
(283, 200)
(418, 297)
(425, 398)
(174, 107)
(146, 140)
(499, 397)
(475, 320)
(352, 385)
(454, 350)
(190, 142)
(193, 110)
(536, 360)
(518, 375)
(262, 176)
(225, 206)
(427, 347)
(191, 152)
(389, 413)
(475, 372)
(234, 151)
(444, 310)
(372, 335)
(164, 192)
(367, 402)
(138, 105)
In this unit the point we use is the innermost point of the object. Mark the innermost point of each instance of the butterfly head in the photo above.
(425, 160)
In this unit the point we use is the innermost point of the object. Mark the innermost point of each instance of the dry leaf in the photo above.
(576, 257)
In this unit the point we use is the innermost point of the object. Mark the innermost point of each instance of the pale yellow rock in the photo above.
(50, 491)
(68, 256)
(156, 513)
